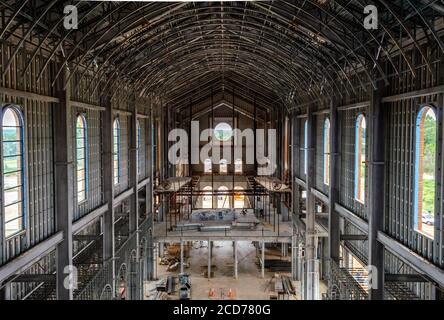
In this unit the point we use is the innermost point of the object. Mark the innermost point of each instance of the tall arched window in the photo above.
(238, 166)
(81, 158)
(425, 165)
(360, 156)
(327, 151)
(223, 200)
(116, 151)
(223, 166)
(305, 145)
(139, 161)
(14, 208)
(239, 198)
(207, 166)
(207, 198)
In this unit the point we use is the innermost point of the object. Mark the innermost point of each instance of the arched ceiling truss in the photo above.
(282, 52)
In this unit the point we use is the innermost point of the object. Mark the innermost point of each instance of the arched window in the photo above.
(14, 208)
(425, 165)
(327, 151)
(116, 151)
(207, 166)
(139, 161)
(239, 198)
(238, 166)
(81, 158)
(223, 200)
(223, 167)
(305, 145)
(207, 198)
(360, 156)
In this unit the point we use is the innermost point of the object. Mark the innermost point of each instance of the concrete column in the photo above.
(108, 189)
(209, 258)
(181, 256)
(376, 196)
(64, 188)
(312, 282)
(235, 259)
(263, 260)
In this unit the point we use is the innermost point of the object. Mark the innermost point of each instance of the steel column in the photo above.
(333, 217)
(376, 197)
(311, 278)
(181, 256)
(263, 260)
(133, 181)
(235, 259)
(64, 189)
(108, 189)
(209, 259)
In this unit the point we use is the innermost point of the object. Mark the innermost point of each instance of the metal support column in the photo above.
(209, 259)
(376, 197)
(311, 260)
(7, 291)
(155, 259)
(134, 199)
(235, 259)
(161, 249)
(181, 256)
(149, 191)
(64, 189)
(263, 260)
(333, 216)
(108, 189)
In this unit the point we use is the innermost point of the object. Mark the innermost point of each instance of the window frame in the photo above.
(240, 194)
(116, 179)
(23, 184)
(327, 137)
(207, 192)
(418, 122)
(226, 201)
(238, 163)
(359, 186)
(305, 146)
(206, 162)
(138, 135)
(223, 163)
(85, 159)
(227, 140)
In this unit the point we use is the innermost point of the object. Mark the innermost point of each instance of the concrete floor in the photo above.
(249, 284)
